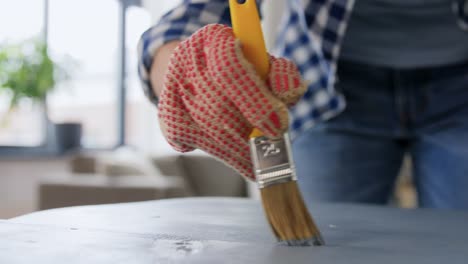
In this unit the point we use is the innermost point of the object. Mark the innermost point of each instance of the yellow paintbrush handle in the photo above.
(247, 28)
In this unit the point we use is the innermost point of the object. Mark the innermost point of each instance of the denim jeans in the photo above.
(356, 156)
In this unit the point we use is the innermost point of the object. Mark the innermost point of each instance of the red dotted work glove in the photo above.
(213, 98)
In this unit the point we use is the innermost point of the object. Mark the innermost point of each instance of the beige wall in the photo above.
(19, 183)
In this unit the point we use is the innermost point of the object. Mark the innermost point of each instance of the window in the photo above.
(142, 127)
(25, 124)
(85, 35)
(140, 113)
(87, 31)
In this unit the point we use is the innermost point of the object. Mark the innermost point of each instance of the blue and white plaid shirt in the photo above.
(310, 35)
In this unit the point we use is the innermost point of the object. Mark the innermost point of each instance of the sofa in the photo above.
(128, 176)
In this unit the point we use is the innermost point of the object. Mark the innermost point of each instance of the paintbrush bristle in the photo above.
(288, 215)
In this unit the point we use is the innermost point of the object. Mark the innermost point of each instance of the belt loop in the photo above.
(460, 8)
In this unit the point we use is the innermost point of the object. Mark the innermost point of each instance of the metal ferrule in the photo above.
(272, 160)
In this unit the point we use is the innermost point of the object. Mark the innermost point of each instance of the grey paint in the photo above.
(225, 230)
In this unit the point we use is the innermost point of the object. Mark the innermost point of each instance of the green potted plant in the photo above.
(27, 71)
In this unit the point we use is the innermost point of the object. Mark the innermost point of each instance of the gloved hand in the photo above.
(213, 98)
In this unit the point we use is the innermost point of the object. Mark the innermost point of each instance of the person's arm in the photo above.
(212, 96)
(160, 65)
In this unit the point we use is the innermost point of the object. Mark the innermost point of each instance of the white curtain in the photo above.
(272, 11)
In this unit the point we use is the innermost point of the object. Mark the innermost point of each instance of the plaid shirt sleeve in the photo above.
(311, 36)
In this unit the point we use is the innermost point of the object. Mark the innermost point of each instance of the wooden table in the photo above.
(224, 230)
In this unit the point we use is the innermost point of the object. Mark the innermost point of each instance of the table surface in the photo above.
(229, 230)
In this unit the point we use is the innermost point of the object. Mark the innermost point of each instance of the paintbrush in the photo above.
(272, 158)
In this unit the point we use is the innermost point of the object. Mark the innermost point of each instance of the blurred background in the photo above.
(99, 38)
(75, 127)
